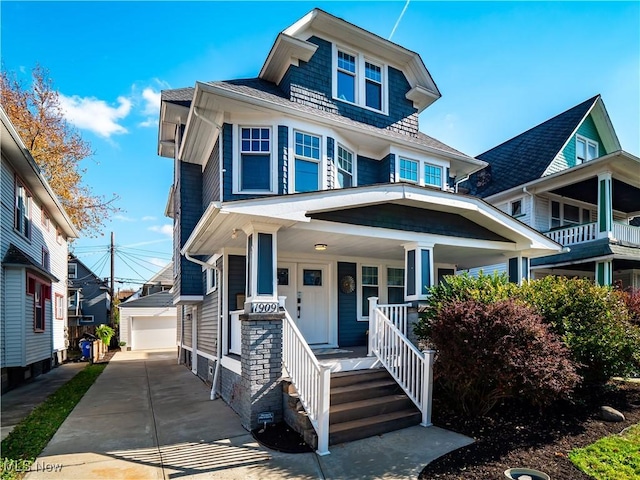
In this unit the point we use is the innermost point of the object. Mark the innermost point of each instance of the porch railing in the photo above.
(574, 234)
(411, 368)
(626, 233)
(397, 314)
(311, 380)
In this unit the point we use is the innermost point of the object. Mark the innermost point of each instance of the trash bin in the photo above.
(85, 348)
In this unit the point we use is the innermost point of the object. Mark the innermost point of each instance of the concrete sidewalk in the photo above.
(20, 402)
(148, 418)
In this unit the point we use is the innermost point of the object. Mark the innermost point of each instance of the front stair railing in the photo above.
(410, 368)
(310, 379)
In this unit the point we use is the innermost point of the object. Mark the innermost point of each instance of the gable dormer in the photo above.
(332, 65)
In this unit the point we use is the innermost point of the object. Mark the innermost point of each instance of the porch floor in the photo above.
(345, 359)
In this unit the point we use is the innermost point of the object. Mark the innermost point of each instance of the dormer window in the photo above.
(359, 80)
(422, 172)
(585, 150)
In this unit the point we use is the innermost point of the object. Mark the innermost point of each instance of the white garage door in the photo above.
(153, 332)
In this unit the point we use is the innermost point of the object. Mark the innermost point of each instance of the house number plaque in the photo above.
(264, 307)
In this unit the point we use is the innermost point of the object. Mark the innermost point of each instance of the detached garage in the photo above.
(149, 322)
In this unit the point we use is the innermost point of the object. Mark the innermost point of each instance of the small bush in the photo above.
(483, 288)
(631, 298)
(104, 333)
(489, 352)
(593, 321)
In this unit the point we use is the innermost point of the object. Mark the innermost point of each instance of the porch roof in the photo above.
(579, 182)
(601, 249)
(479, 232)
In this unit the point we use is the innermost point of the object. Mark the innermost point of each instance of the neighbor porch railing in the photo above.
(311, 380)
(574, 234)
(411, 368)
(626, 233)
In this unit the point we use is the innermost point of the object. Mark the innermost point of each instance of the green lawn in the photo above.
(31, 435)
(611, 458)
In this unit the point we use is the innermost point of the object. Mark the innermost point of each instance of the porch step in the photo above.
(365, 403)
(368, 427)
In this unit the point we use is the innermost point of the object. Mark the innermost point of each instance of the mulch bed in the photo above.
(515, 436)
(282, 438)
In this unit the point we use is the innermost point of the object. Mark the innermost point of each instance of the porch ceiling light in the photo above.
(234, 234)
(320, 246)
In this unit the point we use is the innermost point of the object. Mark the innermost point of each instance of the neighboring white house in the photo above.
(34, 231)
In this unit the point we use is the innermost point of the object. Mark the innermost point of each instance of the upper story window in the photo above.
(565, 214)
(408, 170)
(432, 175)
(22, 214)
(307, 162)
(345, 167)
(255, 169)
(46, 258)
(41, 292)
(516, 208)
(46, 221)
(420, 172)
(59, 307)
(212, 280)
(585, 150)
(359, 80)
(72, 270)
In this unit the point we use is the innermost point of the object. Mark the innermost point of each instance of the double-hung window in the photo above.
(585, 150)
(565, 214)
(408, 170)
(212, 280)
(22, 214)
(41, 292)
(59, 307)
(395, 285)
(359, 80)
(307, 162)
(72, 271)
(345, 167)
(369, 287)
(255, 159)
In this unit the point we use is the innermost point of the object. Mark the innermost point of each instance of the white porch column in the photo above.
(418, 270)
(605, 205)
(604, 272)
(262, 261)
(518, 268)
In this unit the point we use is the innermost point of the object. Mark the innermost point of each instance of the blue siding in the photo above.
(388, 169)
(189, 214)
(311, 84)
(426, 271)
(331, 162)
(368, 171)
(351, 332)
(211, 178)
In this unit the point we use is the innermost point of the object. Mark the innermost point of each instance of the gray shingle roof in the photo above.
(155, 300)
(525, 157)
(17, 258)
(267, 91)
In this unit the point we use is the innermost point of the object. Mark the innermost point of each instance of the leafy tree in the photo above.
(57, 147)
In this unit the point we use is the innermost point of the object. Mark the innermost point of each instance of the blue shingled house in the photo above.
(569, 179)
(310, 216)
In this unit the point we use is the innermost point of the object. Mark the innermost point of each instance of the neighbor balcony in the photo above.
(589, 231)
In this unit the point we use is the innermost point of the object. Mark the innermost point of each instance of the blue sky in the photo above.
(502, 67)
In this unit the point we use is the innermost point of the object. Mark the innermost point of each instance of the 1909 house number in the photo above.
(264, 307)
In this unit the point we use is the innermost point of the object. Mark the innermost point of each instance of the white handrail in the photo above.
(411, 368)
(574, 234)
(626, 233)
(311, 380)
(397, 313)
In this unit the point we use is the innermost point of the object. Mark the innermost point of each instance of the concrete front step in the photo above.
(368, 427)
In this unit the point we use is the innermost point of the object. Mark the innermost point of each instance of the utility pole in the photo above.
(112, 250)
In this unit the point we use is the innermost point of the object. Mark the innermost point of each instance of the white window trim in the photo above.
(75, 271)
(354, 163)
(59, 306)
(26, 218)
(236, 155)
(562, 203)
(587, 142)
(212, 276)
(422, 162)
(322, 161)
(512, 202)
(360, 89)
(382, 284)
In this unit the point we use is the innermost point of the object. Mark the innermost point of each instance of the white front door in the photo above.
(311, 312)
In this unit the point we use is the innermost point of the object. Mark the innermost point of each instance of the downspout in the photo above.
(458, 182)
(208, 266)
(533, 206)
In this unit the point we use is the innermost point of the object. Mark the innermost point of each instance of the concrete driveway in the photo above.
(148, 418)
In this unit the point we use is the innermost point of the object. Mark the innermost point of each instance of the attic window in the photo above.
(359, 80)
(585, 150)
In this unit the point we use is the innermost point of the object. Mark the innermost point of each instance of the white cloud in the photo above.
(148, 218)
(149, 242)
(151, 101)
(124, 218)
(163, 229)
(149, 122)
(96, 115)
